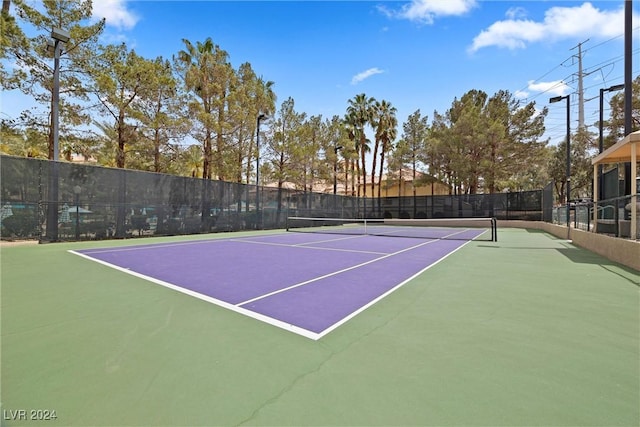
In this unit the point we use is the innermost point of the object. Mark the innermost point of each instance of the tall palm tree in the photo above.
(195, 61)
(359, 113)
(208, 73)
(386, 125)
(192, 158)
(349, 155)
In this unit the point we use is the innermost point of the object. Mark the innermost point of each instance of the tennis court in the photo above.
(307, 283)
(197, 330)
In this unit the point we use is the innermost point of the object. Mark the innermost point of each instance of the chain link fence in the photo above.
(60, 201)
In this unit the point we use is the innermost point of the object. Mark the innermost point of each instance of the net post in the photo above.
(494, 229)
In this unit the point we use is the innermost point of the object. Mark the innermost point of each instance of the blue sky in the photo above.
(418, 54)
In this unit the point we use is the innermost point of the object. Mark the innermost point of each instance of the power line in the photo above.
(607, 69)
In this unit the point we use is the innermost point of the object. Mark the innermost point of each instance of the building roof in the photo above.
(620, 152)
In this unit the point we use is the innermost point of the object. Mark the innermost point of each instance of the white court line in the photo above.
(315, 279)
(149, 246)
(335, 239)
(261, 317)
(384, 295)
(138, 247)
(307, 246)
(439, 228)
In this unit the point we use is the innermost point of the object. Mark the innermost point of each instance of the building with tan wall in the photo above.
(402, 184)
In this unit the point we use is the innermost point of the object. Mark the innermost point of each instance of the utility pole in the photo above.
(581, 125)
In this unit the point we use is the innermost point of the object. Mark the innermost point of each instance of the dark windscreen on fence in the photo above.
(98, 203)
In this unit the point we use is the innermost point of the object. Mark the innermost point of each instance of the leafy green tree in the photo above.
(397, 161)
(557, 169)
(121, 79)
(192, 64)
(34, 76)
(470, 135)
(485, 143)
(455, 139)
(283, 148)
(581, 168)
(252, 96)
(308, 160)
(192, 158)
(29, 143)
(514, 151)
(580, 164)
(207, 74)
(160, 116)
(334, 140)
(439, 160)
(12, 36)
(414, 136)
(614, 127)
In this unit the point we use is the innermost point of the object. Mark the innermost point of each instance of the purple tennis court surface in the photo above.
(306, 283)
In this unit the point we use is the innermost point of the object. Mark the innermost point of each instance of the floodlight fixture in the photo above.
(60, 35)
(557, 98)
(614, 88)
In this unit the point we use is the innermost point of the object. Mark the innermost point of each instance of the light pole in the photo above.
(60, 37)
(335, 168)
(568, 155)
(601, 138)
(258, 212)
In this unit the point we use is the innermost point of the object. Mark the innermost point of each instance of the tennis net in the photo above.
(453, 229)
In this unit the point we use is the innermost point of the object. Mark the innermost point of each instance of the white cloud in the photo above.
(425, 11)
(559, 22)
(365, 74)
(521, 94)
(118, 38)
(115, 12)
(557, 87)
(516, 13)
(509, 34)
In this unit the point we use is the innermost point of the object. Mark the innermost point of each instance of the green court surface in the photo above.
(526, 331)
